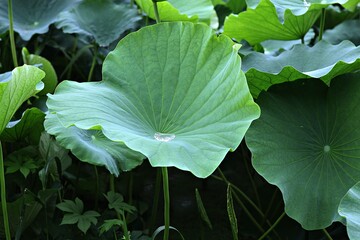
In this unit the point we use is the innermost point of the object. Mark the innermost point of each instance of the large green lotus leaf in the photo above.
(262, 23)
(50, 80)
(173, 91)
(29, 127)
(93, 147)
(102, 20)
(32, 16)
(349, 208)
(15, 88)
(348, 30)
(324, 61)
(306, 142)
(185, 10)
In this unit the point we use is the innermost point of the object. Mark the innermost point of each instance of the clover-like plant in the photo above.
(174, 92)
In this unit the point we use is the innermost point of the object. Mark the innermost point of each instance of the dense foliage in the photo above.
(243, 114)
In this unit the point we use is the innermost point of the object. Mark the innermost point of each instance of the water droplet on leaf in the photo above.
(164, 137)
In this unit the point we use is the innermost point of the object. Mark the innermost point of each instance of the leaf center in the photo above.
(327, 148)
(164, 137)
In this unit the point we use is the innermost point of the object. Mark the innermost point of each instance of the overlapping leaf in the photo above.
(185, 10)
(179, 97)
(300, 7)
(93, 147)
(50, 80)
(348, 30)
(101, 20)
(29, 127)
(306, 142)
(16, 87)
(349, 208)
(32, 16)
(263, 23)
(324, 61)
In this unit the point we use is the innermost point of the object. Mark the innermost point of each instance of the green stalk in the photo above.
(248, 213)
(270, 206)
(11, 33)
(166, 202)
(96, 203)
(223, 178)
(93, 63)
(156, 11)
(156, 200)
(327, 234)
(257, 197)
(272, 227)
(112, 183)
(3, 196)
(124, 227)
(322, 23)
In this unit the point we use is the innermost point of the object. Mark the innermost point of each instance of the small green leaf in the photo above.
(16, 87)
(70, 218)
(86, 220)
(75, 214)
(202, 209)
(76, 206)
(349, 209)
(116, 202)
(24, 160)
(108, 224)
(231, 213)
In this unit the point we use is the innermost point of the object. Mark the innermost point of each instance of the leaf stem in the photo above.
(166, 202)
(93, 63)
(11, 33)
(322, 23)
(156, 11)
(272, 226)
(327, 234)
(257, 197)
(112, 183)
(156, 200)
(96, 203)
(3, 196)
(124, 226)
(223, 178)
